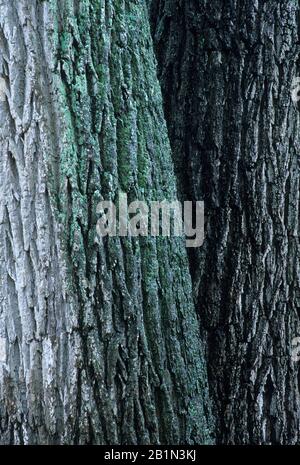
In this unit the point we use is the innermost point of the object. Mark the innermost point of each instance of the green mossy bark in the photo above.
(127, 363)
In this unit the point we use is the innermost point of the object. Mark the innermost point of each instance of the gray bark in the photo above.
(99, 340)
(226, 70)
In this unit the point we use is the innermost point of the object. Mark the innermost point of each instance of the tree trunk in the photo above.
(99, 339)
(226, 70)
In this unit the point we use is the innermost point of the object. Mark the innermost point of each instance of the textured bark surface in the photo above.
(99, 338)
(226, 69)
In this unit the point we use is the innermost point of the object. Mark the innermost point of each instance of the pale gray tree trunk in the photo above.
(226, 69)
(99, 340)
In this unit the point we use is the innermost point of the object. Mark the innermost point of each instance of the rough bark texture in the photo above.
(226, 69)
(99, 338)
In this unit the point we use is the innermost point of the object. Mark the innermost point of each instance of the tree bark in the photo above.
(226, 70)
(99, 339)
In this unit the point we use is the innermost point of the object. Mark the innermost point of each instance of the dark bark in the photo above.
(226, 69)
(99, 338)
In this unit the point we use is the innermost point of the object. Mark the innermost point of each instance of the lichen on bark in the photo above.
(101, 335)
